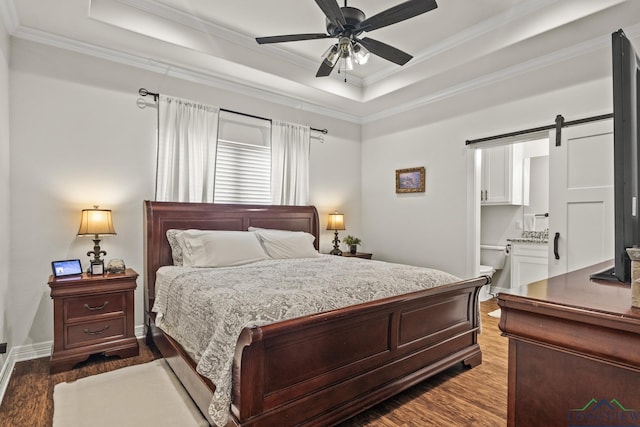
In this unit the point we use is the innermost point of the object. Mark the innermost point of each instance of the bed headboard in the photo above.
(162, 216)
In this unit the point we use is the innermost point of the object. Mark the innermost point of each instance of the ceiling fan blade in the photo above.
(332, 11)
(385, 51)
(398, 13)
(292, 38)
(325, 69)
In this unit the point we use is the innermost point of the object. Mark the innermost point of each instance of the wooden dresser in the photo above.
(92, 314)
(574, 352)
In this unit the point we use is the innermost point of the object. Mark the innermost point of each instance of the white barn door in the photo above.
(581, 198)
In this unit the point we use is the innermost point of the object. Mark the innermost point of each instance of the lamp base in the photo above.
(97, 264)
(336, 245)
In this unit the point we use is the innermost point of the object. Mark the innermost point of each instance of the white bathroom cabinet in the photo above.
(503, 176)
(529, 263)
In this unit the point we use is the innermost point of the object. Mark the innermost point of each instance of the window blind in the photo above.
(243, 173)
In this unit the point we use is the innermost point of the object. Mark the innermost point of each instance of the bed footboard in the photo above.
(322, 369)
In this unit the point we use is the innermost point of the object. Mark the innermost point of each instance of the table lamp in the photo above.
(336, 222)
(96, 222)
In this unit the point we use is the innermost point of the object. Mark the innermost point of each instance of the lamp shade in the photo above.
(96, 221)
(336, 221)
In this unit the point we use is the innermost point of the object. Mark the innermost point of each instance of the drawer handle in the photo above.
(88, 332)
(100, 307)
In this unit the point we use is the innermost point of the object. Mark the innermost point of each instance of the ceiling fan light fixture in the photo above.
(347, 63)
(346, 50)
(346, 24)
(331, 56)
(360, 54)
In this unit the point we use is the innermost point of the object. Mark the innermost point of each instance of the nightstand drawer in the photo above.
(89, 333)
(93, 305)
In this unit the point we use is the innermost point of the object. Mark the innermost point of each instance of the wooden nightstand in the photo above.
(92, 314)
(357, 255)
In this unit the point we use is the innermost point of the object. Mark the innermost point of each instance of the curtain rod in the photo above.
(145, 92)
(560, 123)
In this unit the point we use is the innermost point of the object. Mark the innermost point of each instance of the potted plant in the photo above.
(353, 243)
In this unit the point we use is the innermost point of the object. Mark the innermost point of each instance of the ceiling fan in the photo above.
(347, 23)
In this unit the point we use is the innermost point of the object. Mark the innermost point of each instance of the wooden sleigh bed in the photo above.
(321, 369)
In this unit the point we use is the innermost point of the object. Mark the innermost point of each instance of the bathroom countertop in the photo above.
(541, 237)
(537, 240)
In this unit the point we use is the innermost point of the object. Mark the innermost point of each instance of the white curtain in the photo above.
(187, 139)
(290, 163)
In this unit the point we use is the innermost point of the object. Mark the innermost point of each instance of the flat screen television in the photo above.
(626, 152)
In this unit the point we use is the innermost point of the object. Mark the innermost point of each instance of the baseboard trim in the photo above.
(29, 352)
(18, 354)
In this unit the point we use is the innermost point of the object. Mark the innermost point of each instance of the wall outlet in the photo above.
(518, 225)
(3, 348)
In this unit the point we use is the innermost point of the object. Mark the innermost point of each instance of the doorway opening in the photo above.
(512, 210)
(580, 221)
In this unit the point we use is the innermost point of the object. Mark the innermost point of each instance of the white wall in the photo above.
(78, 139)
(413, 228)
(4, 185)
(432, 229)
(499, 223)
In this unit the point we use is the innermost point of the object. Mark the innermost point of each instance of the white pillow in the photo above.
(176, 245)
(220, 248)
(281, 244)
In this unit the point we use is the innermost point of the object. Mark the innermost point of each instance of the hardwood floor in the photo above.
(456, 397)
(28, 400)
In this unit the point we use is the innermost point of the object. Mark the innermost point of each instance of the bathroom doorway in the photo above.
(580, 204)
(513, 211)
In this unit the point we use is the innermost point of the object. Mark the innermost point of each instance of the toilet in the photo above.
(486, 270)
(492, 259)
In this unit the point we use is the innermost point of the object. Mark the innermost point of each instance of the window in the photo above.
(243, 160)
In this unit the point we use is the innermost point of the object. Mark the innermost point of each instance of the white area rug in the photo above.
(140, 395)
(495, 313)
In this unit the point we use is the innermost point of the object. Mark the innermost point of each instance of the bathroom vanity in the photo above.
(529, 261)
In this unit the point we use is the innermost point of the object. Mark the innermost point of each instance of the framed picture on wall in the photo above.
(410, 180)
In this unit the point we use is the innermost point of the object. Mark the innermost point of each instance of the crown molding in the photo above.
(464, 36)
(207, 79)
(588, 46)
(224, 82)
(199, 24)
(9, 15)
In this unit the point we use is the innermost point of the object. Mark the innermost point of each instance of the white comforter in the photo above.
(205, 309)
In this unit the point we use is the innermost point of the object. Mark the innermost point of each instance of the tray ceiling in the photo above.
(457, 48)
